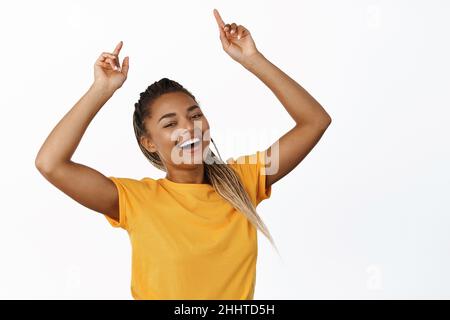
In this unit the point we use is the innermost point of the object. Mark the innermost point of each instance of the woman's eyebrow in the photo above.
(167, 115)
(172, 114)
(192, 108)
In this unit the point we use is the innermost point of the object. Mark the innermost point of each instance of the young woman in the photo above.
(194, 232)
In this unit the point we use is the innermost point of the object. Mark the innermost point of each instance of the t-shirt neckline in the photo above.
(184, 185)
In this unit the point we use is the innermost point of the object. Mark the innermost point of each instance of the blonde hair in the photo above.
(221, 176)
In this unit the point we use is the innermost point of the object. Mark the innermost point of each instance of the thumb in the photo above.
(125, 65)
(223, 38)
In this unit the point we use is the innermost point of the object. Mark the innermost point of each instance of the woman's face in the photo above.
(175, 118)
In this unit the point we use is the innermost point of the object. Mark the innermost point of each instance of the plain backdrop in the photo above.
(364, 216)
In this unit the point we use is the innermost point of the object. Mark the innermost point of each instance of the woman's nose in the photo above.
(193, 127)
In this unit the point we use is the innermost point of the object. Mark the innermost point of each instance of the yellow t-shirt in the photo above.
(187, 241)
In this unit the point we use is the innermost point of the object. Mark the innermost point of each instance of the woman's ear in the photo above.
(148, 144)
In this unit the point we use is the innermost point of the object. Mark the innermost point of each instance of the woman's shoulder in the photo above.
(134, 184)
(251, 169)
(255, 158)
(246, 167)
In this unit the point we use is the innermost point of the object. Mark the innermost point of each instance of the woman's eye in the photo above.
(197, 115)
(169, 125)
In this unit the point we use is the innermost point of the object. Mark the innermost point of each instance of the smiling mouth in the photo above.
(192, 147)
(190, 144)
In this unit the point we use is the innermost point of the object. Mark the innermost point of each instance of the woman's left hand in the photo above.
(236, 40)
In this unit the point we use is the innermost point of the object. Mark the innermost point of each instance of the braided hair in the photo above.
(222, 177)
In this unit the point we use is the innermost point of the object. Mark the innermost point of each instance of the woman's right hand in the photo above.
(108, 73)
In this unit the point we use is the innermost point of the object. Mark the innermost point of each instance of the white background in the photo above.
(364, 216)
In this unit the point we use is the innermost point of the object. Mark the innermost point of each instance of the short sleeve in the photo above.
(252, 170)
(124, 189)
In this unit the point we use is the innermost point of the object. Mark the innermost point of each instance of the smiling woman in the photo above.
(193, 233)
(157, 145)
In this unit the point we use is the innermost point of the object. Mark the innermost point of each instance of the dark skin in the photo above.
(94, 190)
(310, 117)
(162, 135)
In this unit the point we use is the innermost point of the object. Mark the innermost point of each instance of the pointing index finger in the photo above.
(118, 47)
(218, 18)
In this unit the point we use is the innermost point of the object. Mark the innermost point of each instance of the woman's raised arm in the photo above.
(310, 117)
(85, 185)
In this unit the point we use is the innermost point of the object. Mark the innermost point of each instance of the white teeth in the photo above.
(188, 142)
